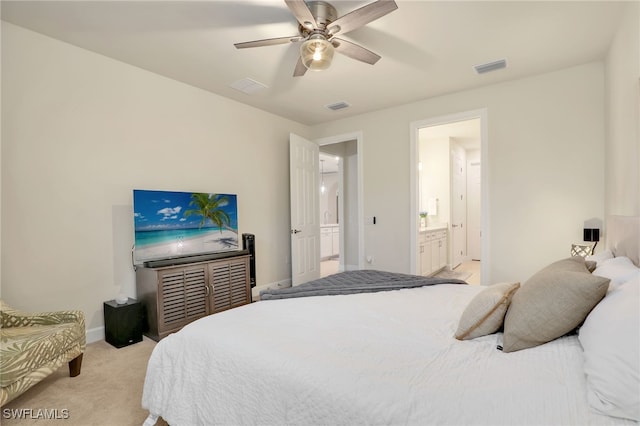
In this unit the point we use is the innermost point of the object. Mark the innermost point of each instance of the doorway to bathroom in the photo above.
(448, 154)
(340, 204)
(330, 182)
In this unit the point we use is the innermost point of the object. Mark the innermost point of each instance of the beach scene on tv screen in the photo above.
(170, 223)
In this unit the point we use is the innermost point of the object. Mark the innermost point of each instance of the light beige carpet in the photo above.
(108, 391)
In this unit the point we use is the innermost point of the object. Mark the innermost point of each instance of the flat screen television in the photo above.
(171, 224)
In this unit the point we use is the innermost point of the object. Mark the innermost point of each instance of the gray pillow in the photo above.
(551, 303)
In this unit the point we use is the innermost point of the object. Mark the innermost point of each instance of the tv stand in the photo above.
(178, 291)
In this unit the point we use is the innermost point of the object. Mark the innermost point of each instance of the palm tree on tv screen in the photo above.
(209, 206)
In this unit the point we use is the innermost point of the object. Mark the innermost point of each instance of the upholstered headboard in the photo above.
(623, 237)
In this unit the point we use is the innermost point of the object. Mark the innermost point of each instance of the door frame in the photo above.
(414, 131)
(474, 253)
(358, 136)
(455, 211)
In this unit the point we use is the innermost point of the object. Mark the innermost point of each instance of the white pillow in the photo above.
(600, 256)
(610, 337)
(618, 270)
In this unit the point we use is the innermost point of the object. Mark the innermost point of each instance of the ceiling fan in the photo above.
(318, 23)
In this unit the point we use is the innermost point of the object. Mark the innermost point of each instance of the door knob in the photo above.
(295, 231)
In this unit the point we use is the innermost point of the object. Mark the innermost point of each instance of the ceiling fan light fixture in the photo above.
(316, 53)
(318, 23)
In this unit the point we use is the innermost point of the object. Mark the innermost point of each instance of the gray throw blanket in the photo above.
(351, 282)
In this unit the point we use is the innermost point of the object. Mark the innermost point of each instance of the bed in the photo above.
(441, 354)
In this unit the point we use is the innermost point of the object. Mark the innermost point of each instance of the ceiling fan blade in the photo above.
(300, 68)
(354, 51)
(362, 16)
(267, 42)
(302, 13)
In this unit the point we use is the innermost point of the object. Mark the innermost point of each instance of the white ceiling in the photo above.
(428, 48)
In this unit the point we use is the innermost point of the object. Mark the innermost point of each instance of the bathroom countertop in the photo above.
(434, 227)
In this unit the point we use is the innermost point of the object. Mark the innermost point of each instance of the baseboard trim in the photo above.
(95, 334)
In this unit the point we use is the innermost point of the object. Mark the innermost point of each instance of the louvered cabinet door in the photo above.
(239, 283)
(229, 282)
(182, 297)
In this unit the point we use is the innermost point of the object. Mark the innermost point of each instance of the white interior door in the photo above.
(458, 205)
(304, 198)
(474, 228)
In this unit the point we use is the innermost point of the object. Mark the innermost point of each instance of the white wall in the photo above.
(545, 166)
(623, 116)
(1, 161)
(435, 177)
(80, 131)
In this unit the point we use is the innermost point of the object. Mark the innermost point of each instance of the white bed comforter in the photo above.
(381, 358)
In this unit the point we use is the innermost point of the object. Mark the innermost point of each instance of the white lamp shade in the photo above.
(316, 53)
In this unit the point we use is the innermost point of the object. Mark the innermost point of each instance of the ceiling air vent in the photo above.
(491, 66)
(338, 105)
(248, 86)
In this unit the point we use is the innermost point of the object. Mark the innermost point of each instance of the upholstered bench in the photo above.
(32, 346)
